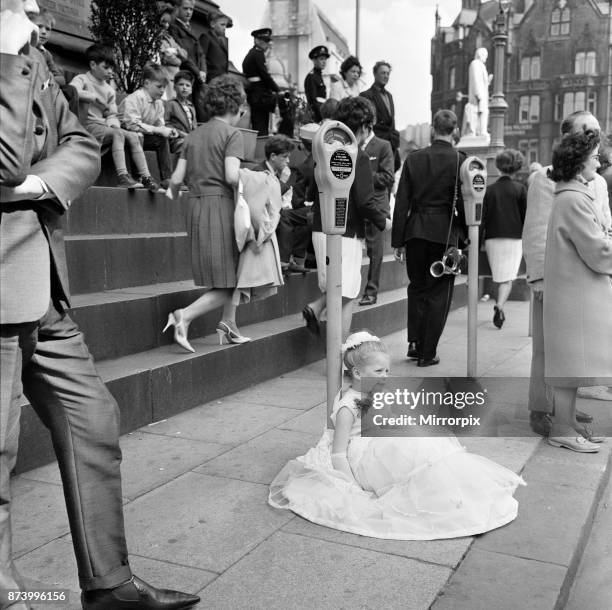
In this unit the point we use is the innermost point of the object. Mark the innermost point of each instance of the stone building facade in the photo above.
(558, 60)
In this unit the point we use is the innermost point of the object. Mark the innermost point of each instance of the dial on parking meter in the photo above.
(473, 175)
(334, 150)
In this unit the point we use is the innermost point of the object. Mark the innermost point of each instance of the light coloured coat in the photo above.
(577, 290)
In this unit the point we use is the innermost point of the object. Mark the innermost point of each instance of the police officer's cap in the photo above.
(320, 51)
(308, 131)
(217, 14)
(263, 34)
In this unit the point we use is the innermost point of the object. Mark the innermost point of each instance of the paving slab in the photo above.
(200, 521)
(548, 526)
(55, 567)
(488, 580)
(513, 453)
(288, 571)
(312, 421)
(38, 514)
(442, 552)
(224, 421)
(260, 459)
(284, 392)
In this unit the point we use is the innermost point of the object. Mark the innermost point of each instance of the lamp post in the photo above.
(498, 106)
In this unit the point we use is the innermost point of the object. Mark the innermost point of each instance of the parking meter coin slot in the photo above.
(340, 213)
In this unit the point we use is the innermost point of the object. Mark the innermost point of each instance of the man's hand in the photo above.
(400, 254)
(16, 30)
(30, 188)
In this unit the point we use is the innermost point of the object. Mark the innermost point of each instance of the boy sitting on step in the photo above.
(102, 119)
(180, 112)
(143, 112)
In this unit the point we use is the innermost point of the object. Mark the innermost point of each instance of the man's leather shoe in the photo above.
(540, 422)
(428, 361)
(413, 351)
(368, 299)
(583, 418)
(136, 594)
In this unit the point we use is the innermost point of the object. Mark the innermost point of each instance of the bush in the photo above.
(131, 28)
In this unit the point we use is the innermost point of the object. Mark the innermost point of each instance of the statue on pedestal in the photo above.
(476, 112)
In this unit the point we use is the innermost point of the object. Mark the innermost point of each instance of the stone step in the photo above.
(110, 261)
(157, 383)
(106, 210)
(128, 320)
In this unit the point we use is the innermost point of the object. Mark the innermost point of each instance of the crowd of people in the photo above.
(562, 225)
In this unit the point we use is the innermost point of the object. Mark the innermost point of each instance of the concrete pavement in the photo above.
(195, 489)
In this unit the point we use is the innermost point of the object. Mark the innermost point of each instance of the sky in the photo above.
(398, 31)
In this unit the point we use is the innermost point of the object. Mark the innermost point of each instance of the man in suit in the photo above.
(314, 86)
(46, 160)
(427, 190)
(262, 89)
(214, 46)
(385, 110)
(195, 63)
(380, 156)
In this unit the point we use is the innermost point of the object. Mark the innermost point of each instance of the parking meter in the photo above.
(473, 175)
(334, 149)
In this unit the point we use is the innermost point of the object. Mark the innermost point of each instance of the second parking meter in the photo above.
(334, 149)
(473, 185)
(473, 176)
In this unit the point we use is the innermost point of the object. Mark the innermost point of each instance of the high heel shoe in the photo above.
(180, 330)
(225, 331)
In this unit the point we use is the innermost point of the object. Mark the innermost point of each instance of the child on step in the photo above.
(410, 488)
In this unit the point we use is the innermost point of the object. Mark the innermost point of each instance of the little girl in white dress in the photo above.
(412, 488)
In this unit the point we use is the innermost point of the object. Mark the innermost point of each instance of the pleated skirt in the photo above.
(504, 256)
(210, 225)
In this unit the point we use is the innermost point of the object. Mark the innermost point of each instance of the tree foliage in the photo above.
(131, 28)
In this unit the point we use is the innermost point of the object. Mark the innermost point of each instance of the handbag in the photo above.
(242, 219)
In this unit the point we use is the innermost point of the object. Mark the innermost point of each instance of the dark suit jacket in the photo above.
(504, 207)
(214, 55)
(186, 39)
(381, 160)
(176, 116)
(385, 119)
(304, 179)
(57, 149)
(424, 197)
(361, 204)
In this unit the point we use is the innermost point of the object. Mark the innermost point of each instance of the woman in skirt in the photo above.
(505, 203)
(209, 164)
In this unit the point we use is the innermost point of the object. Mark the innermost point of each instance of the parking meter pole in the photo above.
(473, 184)
(333, 281)
(472, 349)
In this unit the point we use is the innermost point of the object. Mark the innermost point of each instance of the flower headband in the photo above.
(356, 339)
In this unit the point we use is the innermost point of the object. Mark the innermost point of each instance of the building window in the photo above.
(560, 20)
(530, 68)
(529, 109)
(573, 101)
(451, 78)
(585, 63)
(532, 153)
(592, 102)
(558, 107)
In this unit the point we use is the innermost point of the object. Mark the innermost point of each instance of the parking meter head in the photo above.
(473, 174)
(334, 149)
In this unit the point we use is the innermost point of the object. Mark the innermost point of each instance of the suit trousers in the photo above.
(374, 238)
(540, 395)
(293, 233)
(260, 119)
(429, 298)
(49, 362)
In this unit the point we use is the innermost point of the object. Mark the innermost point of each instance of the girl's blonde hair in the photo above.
(357, 349)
